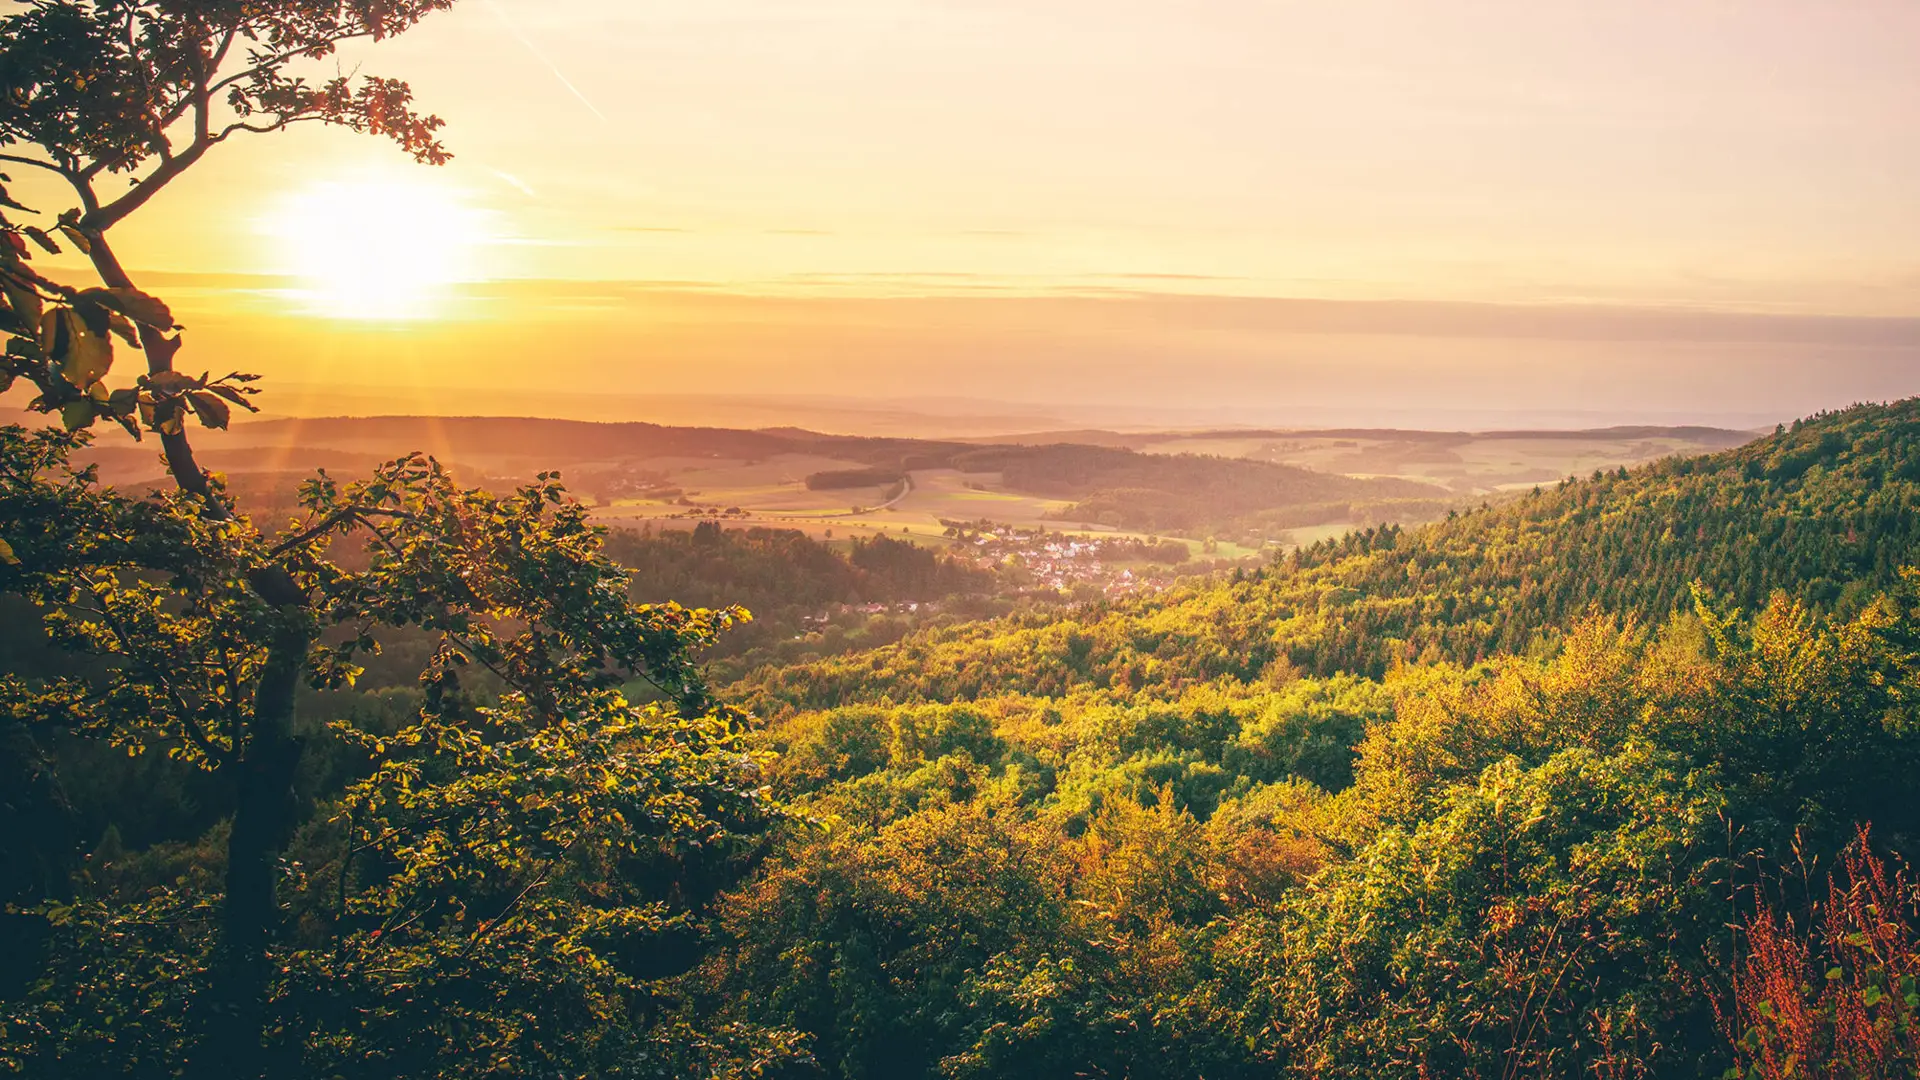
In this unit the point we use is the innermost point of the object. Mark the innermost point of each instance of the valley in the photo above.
(1244, 490)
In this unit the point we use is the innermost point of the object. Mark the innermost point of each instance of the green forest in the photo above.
(1617, 778)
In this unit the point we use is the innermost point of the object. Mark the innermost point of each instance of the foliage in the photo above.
(865, 938)
(1545, 922)
(1525, 863)
(1833, 993)
(838, 479)
(510, 857)
(788, 581)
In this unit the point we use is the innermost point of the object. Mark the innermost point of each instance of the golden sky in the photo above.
(1752, 156)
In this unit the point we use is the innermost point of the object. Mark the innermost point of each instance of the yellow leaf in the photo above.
(6, 554)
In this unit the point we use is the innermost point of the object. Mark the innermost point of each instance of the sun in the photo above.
(386, 248)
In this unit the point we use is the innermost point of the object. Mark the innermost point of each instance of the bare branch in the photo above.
(258, 129)
(36, 163)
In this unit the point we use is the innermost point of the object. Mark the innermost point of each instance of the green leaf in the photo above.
(77, 414)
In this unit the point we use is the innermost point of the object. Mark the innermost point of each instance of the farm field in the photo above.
(774, 493)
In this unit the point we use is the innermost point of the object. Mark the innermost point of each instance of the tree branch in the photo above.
(36, 163)
(260, 129)
(332, 521)
(260, 64)
(106, 217)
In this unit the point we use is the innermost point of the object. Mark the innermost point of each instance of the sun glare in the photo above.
(385, 249)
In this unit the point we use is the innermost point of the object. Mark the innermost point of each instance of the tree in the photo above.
(501, 852)
(205, 629)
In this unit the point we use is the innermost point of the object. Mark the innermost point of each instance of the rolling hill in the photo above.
(1252, 487)
(1828, 511)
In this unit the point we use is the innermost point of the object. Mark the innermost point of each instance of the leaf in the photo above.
(25, 303)
(76, 237)
(77, 414)
(124, 402)
(6, 554)
(124, 327)
(170, 382)
(237, 396)
(142, 308)
(213, 412)
(39, 236)
(84, 356)
(169, 417)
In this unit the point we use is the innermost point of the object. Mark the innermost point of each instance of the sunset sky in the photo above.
(1008, 201)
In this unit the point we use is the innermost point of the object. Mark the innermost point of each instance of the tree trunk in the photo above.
(231, 1039)
(266, 756)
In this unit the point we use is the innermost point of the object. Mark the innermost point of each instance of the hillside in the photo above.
(1421, 802)
(1825, 511)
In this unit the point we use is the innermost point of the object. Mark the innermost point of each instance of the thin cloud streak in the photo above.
(506, 21)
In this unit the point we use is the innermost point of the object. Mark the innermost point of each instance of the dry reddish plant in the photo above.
(1837, 1000)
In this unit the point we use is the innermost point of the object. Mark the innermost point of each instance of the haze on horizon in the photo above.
(1439, 215)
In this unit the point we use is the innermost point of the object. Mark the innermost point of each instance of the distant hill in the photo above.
(1828, 511)
(1188, 494)
(1722, 438)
